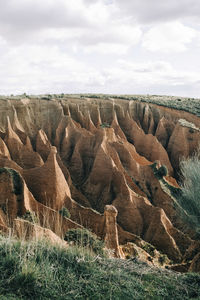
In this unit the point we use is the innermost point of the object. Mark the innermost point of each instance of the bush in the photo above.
(85, 238)
(149, 249)
(189, 199)
(64, 212)
(105, 125)
(31, 217)
(162, 171)
(162, 259)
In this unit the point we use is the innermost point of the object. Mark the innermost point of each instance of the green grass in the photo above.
(85, 238)
(42, 271)
(190, 190)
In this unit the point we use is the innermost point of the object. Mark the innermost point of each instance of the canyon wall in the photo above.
(89, 154)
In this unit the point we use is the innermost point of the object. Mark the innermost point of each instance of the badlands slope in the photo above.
(100, 159)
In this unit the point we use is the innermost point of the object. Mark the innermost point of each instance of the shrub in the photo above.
(85, 238)
(93, 96)
(162, 259)
(162, 171)
(64, 212)
(189, 198)
(105, 125)
(30, 216)
(149, 249)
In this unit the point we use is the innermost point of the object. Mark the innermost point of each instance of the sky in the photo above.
(100, 46)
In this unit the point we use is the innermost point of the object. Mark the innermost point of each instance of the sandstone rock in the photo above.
(25, 230)
(3, 149)
(182, 143)
(43, 146)
(164, 131)
(47, 183)
(111, 234)
(22, 154)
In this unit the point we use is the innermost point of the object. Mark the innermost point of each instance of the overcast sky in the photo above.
(100, 46)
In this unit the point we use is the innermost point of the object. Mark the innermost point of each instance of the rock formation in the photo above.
(95, 156)
(111, 232)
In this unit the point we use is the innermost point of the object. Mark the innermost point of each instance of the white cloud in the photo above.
(44, 69)
(21, 18)
(153, 11)
(158, 77)
(169, 37)
(104, 48)
(146, 67)
(105, 33)
(99, 46)
(2, 41)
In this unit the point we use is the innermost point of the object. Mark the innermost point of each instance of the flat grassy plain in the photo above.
(39, 270)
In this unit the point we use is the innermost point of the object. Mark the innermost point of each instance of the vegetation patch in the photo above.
(162, 259)
(149, 249)
(105, 125)
(85, 238)
(16, 178)
(30, 270)
(189, 202)
(31, 217)
(64, 212)
(172, 191)
(190, 125)
(191, 105)
(160, 172)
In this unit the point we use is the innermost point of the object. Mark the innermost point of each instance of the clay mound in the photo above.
(3, 149)
(47, 183)
(25, 230)
(22, 154)
(87, 155)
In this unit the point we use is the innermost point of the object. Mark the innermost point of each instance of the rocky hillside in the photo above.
(112, 163)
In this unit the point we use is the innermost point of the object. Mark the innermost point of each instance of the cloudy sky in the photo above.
(100, 46)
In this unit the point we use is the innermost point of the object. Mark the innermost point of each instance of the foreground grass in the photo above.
(43, 271)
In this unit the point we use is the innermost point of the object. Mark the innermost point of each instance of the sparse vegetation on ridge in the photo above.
(188, 104)
(190, 125)
(191, 105)
(30, 270)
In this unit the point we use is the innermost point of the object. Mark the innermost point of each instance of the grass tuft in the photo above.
(30, 270)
